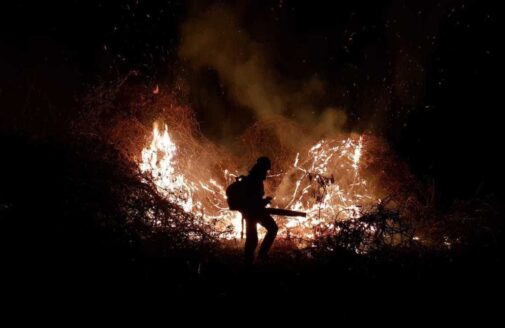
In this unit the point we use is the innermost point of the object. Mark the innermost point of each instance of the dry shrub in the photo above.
(378, 228)
(121, 113)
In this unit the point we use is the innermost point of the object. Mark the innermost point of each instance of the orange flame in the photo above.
(326, 183)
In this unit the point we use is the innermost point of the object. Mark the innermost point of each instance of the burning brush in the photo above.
(325, 183)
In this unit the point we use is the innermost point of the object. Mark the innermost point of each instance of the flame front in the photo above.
(327, 186)
(159, 160)
(325, 183)
(206, 198)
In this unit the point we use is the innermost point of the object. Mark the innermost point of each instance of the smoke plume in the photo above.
(215, 38)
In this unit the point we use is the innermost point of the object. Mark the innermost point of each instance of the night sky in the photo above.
(423, 74)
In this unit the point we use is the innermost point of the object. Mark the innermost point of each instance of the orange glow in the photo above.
(325, 182)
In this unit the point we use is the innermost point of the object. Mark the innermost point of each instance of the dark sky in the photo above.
(424, 74)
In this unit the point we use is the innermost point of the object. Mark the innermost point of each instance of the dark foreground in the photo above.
(455, 288)
(65, 246)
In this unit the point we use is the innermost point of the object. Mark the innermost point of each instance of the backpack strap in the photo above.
(242, 231)
(241, 177)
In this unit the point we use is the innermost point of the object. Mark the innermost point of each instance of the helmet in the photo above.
(264, 163)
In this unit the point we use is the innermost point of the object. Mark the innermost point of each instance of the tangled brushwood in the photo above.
(375, 230)
(174, 178)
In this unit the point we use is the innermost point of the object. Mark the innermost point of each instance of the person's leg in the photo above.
(251, 240)
(268, 222)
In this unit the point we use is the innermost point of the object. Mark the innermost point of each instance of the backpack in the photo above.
(236, 194)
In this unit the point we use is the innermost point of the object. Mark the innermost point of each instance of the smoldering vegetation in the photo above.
(77, 212)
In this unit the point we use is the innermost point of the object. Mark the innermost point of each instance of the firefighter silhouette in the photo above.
(247, 196)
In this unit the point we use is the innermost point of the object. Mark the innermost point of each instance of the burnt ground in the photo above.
(65, 245)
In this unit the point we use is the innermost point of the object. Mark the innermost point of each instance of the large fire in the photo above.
(325, 182)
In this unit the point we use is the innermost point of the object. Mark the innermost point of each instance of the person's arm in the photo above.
(265, 200)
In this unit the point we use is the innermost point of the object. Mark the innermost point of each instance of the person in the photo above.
(254, 211)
